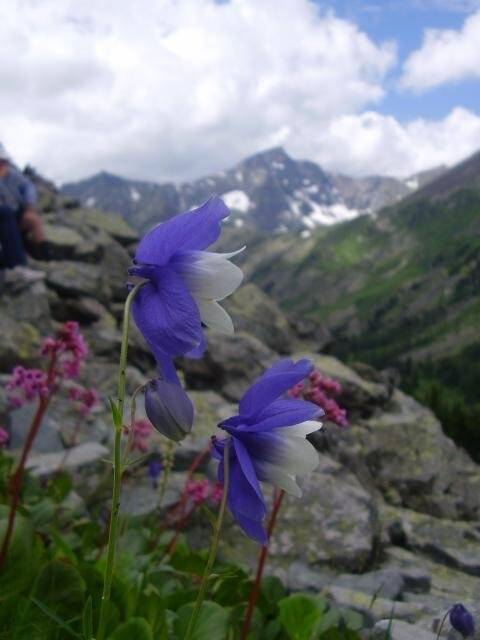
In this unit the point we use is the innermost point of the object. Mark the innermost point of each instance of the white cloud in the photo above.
(386, 147)
(445, 56)
(175, 89)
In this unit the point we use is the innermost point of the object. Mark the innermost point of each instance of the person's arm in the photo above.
(29, 194)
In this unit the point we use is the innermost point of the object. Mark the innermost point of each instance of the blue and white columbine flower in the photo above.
(184, 285)
(268, 443)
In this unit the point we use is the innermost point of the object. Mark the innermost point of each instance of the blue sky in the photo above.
(405, 22)
(178, 89)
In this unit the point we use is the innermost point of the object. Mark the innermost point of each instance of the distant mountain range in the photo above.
(401, 288)
(267, 192)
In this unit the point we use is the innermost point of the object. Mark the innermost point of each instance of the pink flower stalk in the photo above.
(322, 391)
(70, 348)
(216, 494)
(85, 399)
(4, 437)
(25, 385)
(198, 490)
(142, 430)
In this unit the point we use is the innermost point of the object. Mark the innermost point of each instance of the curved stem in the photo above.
(441, 625)
(214, 546)
(262, 558)
(117, 466)
(17, 478)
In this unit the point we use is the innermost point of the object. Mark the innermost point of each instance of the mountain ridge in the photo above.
(268, 191)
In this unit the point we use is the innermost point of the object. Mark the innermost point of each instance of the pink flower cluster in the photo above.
(322, 391)
(142, 430)
(70, 349)
(86, 399)
(4, 437)
(26, 385)
(201, 490)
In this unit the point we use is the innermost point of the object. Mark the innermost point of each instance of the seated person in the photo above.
(17, 215)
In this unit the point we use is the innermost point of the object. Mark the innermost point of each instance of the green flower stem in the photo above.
(117, 466)
(214, 545)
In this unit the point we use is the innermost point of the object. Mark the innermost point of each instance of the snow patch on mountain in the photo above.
(237, 200)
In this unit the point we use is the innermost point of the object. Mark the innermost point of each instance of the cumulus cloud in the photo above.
(387, 147)
(175, 89)
(445, 56)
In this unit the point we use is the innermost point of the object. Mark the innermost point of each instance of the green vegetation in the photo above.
(402, 287)
(51, 585)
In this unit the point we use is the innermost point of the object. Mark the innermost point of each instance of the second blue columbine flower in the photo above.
(268, 443)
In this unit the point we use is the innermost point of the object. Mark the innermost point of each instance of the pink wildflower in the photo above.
(322, 391)
(142, 430)
(86, 399)
(198, 490)
(4, 437)
(217, 493)
(25, 385)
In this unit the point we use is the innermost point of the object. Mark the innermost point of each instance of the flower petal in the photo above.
(281, 377)
(245, 502)
(167, 315)
(294, 454)
(191, 231)
(277, 476)
(284, 413)
(215, 317)
(209, 275)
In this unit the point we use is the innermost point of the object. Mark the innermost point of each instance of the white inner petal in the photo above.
(214, 316)
(211, 275)
(302, 429)
(296, 455)
(268, 472)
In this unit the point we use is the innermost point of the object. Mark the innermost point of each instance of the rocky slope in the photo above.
(393, 510)
(269, 191)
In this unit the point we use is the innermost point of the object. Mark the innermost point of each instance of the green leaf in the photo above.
(87, 619)
(212, 622)
(21, 564)
(136, 628)
(56, 619)
(299, 615)
(116, 415)
(59, 486)
(61, 588)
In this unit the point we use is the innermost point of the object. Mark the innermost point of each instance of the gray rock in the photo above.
(360, 397)
(453, 543)
(411, 461)
(44, 464)
(335, 522)
(374, 609)
(399, 630)
(230, 364)
(385, 583)
(256, 313)
(111, 223)
(76, 279)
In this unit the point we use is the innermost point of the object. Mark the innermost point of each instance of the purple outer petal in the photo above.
(245, 499)
(281, 377)
(191, 231)
(167, 315)
(284, 413)
(197, 352)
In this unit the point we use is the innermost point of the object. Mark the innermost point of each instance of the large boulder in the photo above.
(411, 461)
(230, 364)
(335, 524)
(256, 313)
(24, 317)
